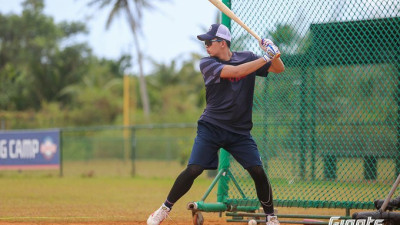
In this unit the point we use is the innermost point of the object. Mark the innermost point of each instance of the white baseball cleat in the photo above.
(272, 220)
(158, 216)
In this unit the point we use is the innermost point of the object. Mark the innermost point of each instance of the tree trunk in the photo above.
(142, 81)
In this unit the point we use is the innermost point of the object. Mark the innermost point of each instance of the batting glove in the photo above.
(270, 52)
(264, 43)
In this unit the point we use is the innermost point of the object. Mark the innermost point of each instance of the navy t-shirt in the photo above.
(230, 100)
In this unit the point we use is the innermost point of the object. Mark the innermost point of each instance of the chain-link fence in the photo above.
(118, 150)
(328, 127)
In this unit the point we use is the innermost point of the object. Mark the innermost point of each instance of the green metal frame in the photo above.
(223, 203)
(315, 219)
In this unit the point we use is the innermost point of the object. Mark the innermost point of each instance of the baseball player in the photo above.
(226, 122)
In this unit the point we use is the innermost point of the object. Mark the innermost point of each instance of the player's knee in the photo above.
(256, 172)
(194, 170)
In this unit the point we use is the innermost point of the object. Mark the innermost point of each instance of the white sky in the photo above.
(169, 32)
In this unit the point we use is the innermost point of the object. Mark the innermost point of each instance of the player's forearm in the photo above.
(230, 71)
(277, 66)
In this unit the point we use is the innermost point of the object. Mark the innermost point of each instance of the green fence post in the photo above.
(225, 20)
(266, 127)
(133, 151)
(397, 157)
(223, 187)
(61, 154)
(224, 164)
(313, 112)
(303, 124)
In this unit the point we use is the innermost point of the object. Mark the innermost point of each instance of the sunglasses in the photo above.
(208, 43)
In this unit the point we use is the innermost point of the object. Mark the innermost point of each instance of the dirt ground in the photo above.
(26, 199)
(181, 218)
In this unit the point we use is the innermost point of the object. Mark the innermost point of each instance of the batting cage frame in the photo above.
(328, 128)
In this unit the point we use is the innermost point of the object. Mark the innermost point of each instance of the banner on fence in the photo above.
(21, 150)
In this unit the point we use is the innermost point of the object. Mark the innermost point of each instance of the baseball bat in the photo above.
(389, 196)
(224, 9)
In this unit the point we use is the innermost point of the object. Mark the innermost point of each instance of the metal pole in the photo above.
(397, 156)
(223, 187)
(303, 124)
(133, 151)
(313, 114)
(126, 117)
(225, 20)
(61, 153)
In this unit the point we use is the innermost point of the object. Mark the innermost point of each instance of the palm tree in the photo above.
(133, 10)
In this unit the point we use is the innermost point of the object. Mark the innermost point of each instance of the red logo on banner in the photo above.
(48, 148)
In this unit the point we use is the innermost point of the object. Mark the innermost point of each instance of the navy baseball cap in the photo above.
(216, 30)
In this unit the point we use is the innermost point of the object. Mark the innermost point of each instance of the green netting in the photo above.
(328, 127)
(114, 150)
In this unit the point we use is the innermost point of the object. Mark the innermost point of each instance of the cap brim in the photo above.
(204, 37)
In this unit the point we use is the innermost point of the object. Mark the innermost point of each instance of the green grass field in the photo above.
(94, 193)
(98, 192)
(77, 200)
(87, 199)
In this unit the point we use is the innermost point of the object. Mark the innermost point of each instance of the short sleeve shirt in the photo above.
(230, 101)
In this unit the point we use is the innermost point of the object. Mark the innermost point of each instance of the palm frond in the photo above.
(115, 11)
(113, 83)
(101, 3)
